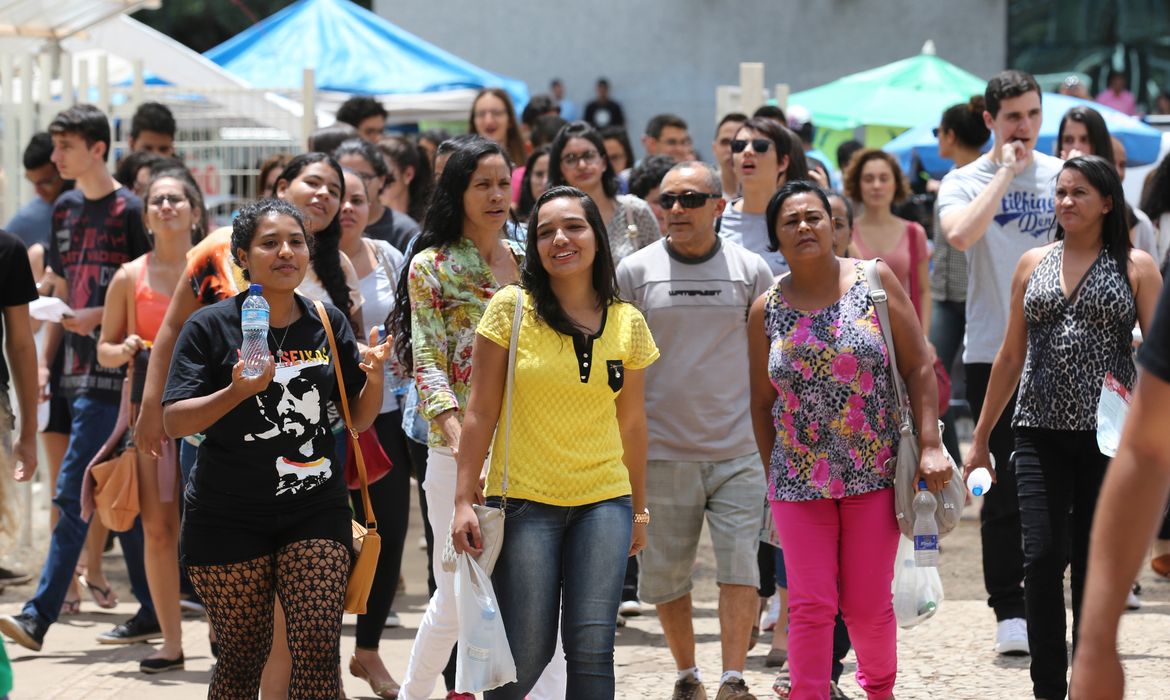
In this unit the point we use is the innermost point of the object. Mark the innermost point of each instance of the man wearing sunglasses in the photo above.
(694, 289)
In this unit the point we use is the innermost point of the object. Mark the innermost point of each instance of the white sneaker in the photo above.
(392, 620)
(1011, 637)
(771, 615)
(1132, 602)
(630, 608)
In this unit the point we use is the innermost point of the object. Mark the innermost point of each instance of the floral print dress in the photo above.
(835, 412)
(449, 286)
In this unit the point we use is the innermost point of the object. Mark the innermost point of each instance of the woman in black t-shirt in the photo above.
(267, 507)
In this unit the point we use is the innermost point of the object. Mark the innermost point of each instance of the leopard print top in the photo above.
(1072, 342)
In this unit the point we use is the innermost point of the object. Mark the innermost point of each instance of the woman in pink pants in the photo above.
(825, 419)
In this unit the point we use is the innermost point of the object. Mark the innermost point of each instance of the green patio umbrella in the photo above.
(901, 94)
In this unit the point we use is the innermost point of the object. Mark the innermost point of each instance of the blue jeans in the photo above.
(572, 554)
(93, 421)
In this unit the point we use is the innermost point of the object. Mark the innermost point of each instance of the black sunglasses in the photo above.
(688, 200)
(758, 145)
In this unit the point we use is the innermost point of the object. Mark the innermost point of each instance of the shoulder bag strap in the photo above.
(132, 328)
(371, 521)
(510, 383)
(877, 294)
(631, 224)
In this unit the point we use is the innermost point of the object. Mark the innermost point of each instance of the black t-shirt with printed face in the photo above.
(16, 285)
(275, 450)
(1155, 352)
(91, 239)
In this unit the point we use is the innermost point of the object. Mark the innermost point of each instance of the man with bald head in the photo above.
(694, 288)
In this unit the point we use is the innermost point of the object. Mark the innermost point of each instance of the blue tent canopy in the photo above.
(352, 50)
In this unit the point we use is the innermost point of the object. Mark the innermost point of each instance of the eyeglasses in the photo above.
(688, 200)
(588, 158)
(174, 199)
(758, 145)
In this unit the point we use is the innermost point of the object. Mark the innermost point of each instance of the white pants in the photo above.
(439, 630)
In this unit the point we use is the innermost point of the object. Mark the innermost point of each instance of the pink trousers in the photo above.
(840, 552)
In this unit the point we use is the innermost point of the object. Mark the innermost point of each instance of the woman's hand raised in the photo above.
(375, 357)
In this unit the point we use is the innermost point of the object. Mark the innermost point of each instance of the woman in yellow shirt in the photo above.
(575, 483)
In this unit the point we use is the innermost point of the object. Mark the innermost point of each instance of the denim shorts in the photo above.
(681, 495)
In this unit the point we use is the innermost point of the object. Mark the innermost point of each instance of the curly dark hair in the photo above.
(442, 225)
(534, 278)
(245, 223)
(327, 241)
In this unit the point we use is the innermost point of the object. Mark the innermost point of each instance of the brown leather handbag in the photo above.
(367, 543)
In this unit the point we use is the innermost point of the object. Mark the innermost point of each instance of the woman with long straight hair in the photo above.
(1073, 308)
(459, 261)
(576, 480)
(175, 217)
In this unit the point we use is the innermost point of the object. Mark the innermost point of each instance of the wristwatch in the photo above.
(642, 518)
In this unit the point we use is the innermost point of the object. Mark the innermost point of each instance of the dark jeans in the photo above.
(1059, 475)
(93, 421)
(948, 323)
(1003, 553)
(574, 554)
(390, 497)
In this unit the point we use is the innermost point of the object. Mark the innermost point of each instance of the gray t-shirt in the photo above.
(697, 403)
(751, 232)
(1023, 221)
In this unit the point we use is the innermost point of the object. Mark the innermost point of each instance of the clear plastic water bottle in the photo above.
(479, 648)
(254, 322)
(979, 481)
(925, 527)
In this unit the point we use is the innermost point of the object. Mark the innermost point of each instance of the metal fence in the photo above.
(224, 133)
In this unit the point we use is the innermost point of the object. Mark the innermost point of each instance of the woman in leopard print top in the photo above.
(1073, 308)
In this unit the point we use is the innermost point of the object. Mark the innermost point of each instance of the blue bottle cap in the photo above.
(922, 484)
(255, 289)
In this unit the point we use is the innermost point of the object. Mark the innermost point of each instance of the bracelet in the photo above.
(642, 518)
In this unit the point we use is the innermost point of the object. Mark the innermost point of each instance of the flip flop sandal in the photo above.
(1161, 565)
(70, 607)
(104, 597)
(782, 686)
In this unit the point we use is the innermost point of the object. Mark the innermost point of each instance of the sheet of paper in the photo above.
(49, 309)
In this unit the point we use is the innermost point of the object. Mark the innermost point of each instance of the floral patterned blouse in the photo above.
(835, 413)
(450, 286)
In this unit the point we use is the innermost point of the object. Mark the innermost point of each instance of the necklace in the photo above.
(284, 336)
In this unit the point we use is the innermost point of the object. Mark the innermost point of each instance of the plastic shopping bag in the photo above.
(917, 591)
(484, 660)
(1111, 412)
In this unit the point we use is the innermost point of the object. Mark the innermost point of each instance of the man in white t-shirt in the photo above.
(997, 208)
(695, 288)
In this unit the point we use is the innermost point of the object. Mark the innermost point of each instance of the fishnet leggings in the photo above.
(310, 577)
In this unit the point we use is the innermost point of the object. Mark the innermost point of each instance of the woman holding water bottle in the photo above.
(267, 509)
(1074, 304)
(825, 418)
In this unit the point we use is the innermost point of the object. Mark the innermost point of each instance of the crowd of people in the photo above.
(614, 352)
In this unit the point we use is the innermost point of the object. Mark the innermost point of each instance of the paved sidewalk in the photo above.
(947, 657)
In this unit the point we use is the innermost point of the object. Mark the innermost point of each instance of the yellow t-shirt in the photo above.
(566, 447)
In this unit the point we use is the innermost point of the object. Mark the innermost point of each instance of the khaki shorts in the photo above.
(730, 494)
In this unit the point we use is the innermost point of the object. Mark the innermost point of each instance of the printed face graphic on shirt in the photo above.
(291, 408)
